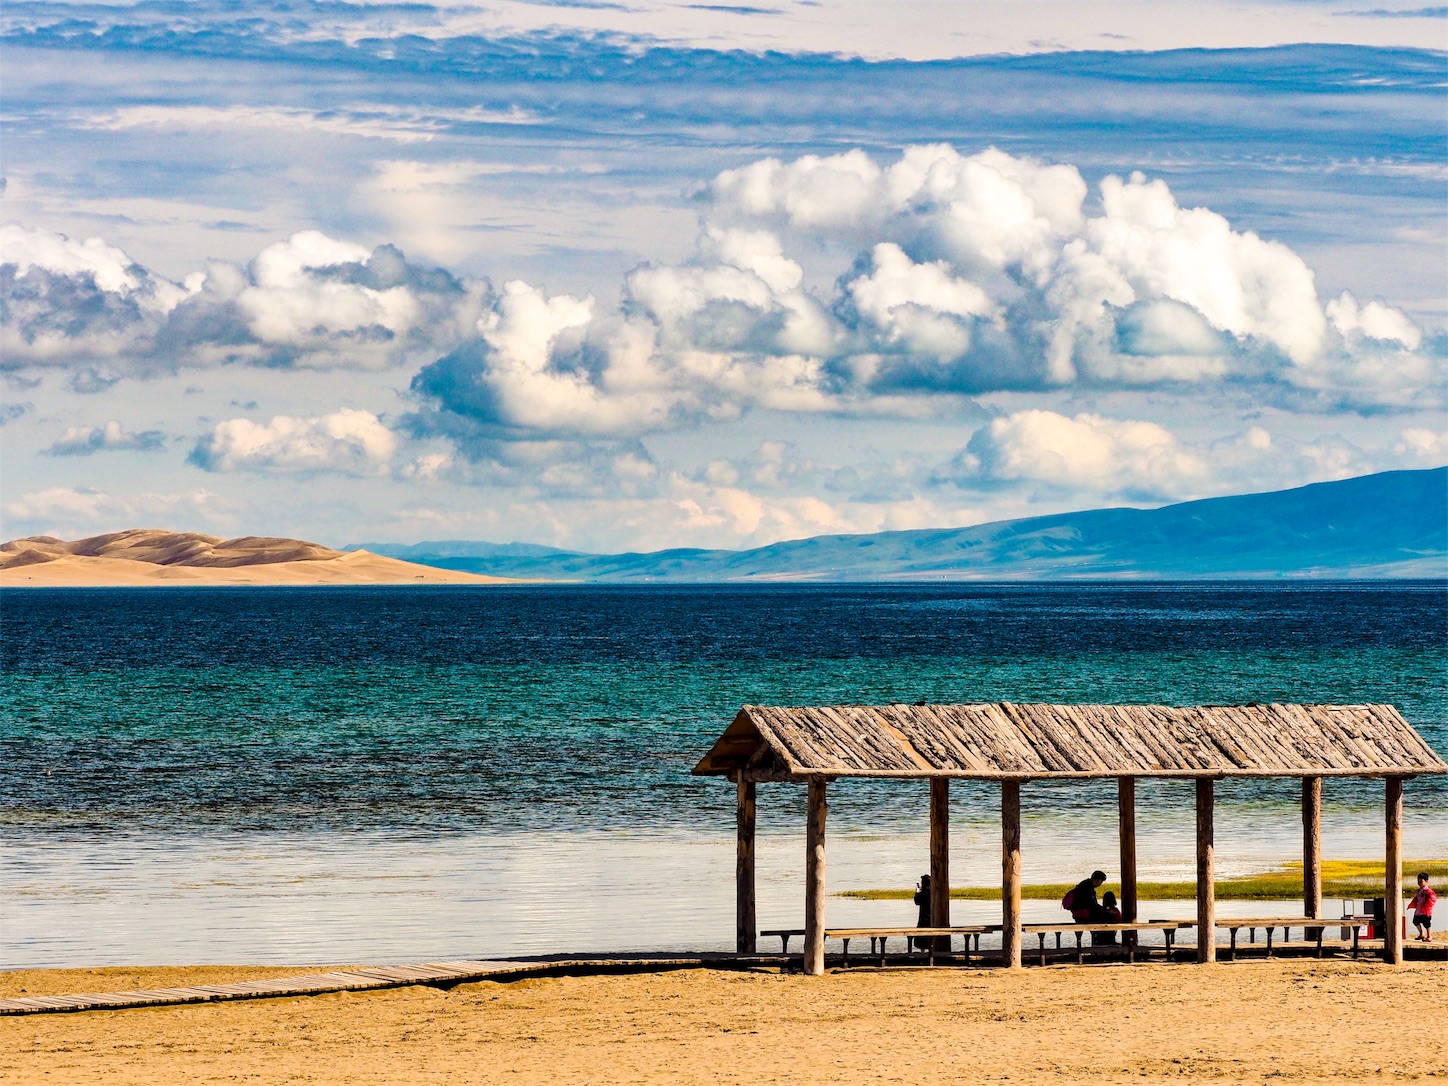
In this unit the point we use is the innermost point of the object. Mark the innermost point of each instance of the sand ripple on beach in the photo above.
(1295, 1021)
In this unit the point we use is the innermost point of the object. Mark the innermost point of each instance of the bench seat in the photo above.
(1308, 924)
(879, 936)
(883, 935)
(1168, 928)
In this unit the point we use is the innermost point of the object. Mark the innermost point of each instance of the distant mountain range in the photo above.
(1390, 525)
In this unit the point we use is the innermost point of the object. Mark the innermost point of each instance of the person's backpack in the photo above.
(1068, 902)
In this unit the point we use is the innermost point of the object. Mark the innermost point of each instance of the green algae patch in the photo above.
(1340, 878)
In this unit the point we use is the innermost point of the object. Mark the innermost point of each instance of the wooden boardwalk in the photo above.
(361, 979)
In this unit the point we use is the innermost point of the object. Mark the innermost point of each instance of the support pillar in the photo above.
(1311, 846)
(940, 857)
(1126, 830)
(746, 928)
(1011, 874)
(814, 879)
(1393, 876)
(1206, 871)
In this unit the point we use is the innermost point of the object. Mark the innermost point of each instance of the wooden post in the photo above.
(814, 880)
(1311, 846)
(1393, 876)
(940, 857)
(1011, 874)
(1206, 873)
(745, 926)
(1126, 829)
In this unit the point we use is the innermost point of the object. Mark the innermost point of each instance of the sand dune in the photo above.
(146, 556)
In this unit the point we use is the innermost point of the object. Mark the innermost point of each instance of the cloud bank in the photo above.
(962, 276)
(309, 302)
(823, 284)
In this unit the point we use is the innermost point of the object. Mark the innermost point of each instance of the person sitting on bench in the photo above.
(1081, 900)
(1112, 915)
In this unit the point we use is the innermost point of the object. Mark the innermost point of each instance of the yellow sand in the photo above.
(352, 568)
(1296, 1021)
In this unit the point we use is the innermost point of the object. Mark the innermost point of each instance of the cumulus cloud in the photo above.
(825, 284)
(310, 301)
(1120, 456)
(1088, 457)
(963, 275)
(348, 441)
(85, 440)
(1428, 447)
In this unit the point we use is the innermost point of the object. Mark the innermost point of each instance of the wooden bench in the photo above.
(1168, 928)
(881, 936)
(878, 936)
(784, 935)
(1235, 924)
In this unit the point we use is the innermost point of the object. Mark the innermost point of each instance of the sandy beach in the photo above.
(1296, 1021)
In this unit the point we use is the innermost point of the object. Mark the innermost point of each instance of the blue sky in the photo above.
(635, 275)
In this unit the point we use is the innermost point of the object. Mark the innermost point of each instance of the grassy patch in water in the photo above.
(1340, 878)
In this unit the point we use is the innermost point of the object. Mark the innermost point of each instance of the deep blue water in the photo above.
(584, 707)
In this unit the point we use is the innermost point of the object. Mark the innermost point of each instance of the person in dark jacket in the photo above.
(922, 899)
(1084, 906)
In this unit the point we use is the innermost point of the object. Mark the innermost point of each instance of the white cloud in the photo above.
(1089, 459)
(971, 274)
(347, 441)
(368, 123)
(27, 249)
(73, 512)
(64, 505)
(85, 440)
(1373, 321)
(310, 301)
(1430, 447)
(1087, 451)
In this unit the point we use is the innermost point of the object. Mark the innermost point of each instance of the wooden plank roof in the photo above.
(1005, 741)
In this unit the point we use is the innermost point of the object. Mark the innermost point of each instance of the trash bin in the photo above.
(1376, 907)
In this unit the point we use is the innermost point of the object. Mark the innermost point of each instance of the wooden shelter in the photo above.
(1017, 744)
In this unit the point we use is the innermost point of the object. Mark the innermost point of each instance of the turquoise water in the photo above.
(302, 775)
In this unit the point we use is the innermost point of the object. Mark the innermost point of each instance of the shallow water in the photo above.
(374, 774)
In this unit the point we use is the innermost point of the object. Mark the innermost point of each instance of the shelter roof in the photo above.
(1006, 741)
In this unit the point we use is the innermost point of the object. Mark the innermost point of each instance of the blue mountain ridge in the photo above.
(1390, 525)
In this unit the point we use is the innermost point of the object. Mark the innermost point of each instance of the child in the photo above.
(1422, 906)
(1112, 915)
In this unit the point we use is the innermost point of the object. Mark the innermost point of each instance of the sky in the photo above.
(641, 274)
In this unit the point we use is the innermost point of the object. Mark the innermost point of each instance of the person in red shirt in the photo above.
(1422, 906)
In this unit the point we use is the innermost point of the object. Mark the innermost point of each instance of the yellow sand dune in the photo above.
(145, 556)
